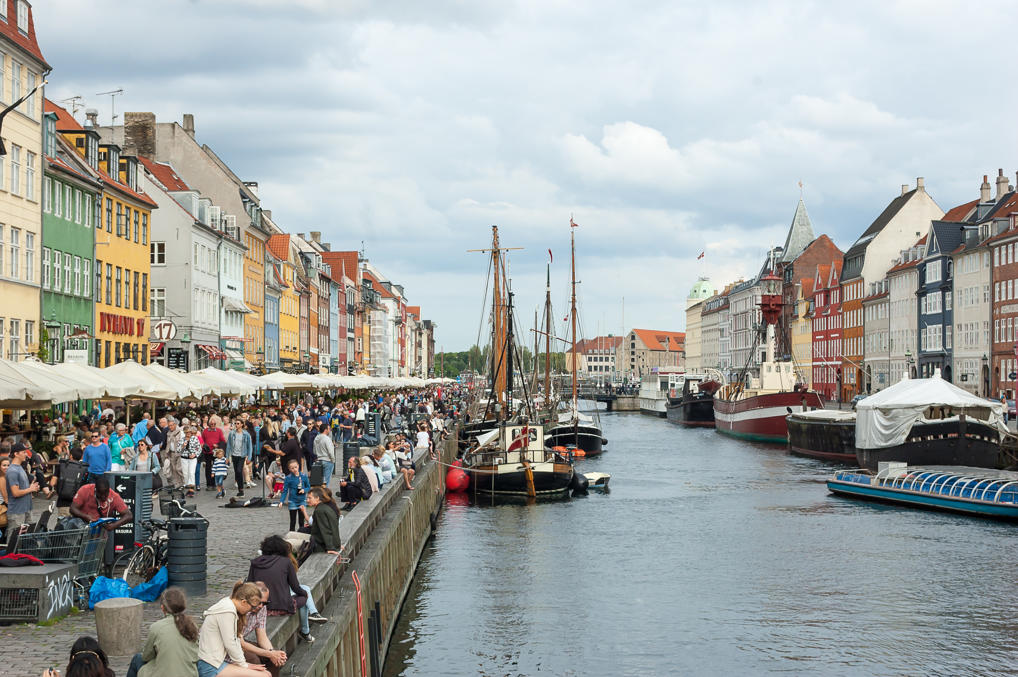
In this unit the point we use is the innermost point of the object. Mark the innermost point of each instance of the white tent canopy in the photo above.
(54, 388)
(885, 419)
(143, 383)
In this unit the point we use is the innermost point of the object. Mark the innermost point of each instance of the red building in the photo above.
(825, 312)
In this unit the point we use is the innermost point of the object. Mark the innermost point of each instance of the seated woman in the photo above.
(219, 639)
(172, 644)
(325, 523)
(372, 472)
(277, 569)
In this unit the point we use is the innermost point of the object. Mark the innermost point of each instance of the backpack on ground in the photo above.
(72, 477)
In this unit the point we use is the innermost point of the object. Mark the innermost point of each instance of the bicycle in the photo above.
(149, 557)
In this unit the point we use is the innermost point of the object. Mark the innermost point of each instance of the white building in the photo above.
(876, 319)
(903, 284)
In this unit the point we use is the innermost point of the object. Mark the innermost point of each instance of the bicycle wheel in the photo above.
(141, 567)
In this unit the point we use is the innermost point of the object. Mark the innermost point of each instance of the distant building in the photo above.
(936, 300)
(596, 358)
(801, 331)
(700, 292)
(644, 349)
(877, 330)
(826, 330)
(903, 284)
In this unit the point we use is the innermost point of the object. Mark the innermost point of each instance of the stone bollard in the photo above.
(118, 625)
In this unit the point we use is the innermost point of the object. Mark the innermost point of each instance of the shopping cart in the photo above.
(85, 547)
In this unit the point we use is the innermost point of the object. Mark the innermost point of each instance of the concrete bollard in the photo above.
(118, 625)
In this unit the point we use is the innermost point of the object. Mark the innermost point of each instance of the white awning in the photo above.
(234, 354)
(230, 303)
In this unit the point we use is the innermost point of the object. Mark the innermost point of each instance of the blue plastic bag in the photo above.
(150, 591)
(107, 588)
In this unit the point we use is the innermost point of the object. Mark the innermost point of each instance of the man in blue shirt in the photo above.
(141, 428)
(98, 457)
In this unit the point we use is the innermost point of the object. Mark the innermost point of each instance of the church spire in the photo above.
(800, 234)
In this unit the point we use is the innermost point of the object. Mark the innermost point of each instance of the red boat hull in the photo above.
(761, 418)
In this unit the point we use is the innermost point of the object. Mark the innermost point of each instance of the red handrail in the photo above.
(360, 623)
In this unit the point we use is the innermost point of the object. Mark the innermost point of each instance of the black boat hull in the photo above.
(549, 480)
(969, 444)
(696, 412)
(824, 440)
(585, 437)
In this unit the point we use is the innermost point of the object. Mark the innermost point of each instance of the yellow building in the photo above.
(289, 302)
(254, 297)
(21, 70)
(801, 330)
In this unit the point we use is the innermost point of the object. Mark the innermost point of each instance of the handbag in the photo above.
(3, 514)
(157, 481)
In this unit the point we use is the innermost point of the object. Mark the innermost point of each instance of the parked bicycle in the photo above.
(149, 557)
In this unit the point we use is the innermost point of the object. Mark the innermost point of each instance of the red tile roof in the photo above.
(414, 310)
(342, 263)
(807, 287)
(279, 246)
(662, 340)
(961, 212)
(599, 343)
(378, 286)
(65, 121)
(10, 30)
(164, 174)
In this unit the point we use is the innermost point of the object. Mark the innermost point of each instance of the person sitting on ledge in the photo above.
(355, 487)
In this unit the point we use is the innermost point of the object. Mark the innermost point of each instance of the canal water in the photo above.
(710, 556)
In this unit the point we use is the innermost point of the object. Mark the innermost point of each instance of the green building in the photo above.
(69, 216)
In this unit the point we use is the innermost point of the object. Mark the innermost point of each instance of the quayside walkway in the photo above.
(383, 538)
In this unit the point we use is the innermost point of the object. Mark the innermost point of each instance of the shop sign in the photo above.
(75, 356)
(164, 330)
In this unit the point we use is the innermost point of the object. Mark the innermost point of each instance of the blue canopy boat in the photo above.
(973, 491)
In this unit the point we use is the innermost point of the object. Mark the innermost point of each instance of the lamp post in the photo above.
(51, 326)
(986, 375)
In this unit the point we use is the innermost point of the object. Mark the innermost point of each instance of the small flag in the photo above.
(700, 256)
(550, 257)
(565, 319)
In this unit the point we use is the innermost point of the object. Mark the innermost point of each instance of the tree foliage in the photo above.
(478, 359)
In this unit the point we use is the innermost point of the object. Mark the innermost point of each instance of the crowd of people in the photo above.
(282, 444)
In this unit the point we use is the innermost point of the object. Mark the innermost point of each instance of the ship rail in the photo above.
(969, 484)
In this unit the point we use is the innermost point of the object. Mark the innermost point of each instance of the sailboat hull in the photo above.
(585, 437)
(510, 479)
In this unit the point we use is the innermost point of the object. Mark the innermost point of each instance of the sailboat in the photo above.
(574, 429)
(510, 459)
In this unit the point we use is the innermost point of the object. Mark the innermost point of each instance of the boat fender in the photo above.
(604, 441)
(456, 479)
(579, 483)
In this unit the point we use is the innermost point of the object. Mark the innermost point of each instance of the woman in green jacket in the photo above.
(324, 523)
(171, 649)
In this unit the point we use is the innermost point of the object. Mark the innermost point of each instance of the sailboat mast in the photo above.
(498, 320)
(509, 353)
(572, 246)
(533, 358)
(547, 339)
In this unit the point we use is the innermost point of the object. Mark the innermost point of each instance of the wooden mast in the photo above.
(572, 312)
(497, 322)
(547, 341)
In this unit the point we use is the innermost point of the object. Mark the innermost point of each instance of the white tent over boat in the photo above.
(885, 418)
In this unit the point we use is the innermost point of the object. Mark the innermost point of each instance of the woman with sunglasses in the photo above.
(219, 650)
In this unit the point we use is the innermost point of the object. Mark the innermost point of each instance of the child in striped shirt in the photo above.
(219, 470)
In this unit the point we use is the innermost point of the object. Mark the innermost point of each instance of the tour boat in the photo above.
(694, 407)
(973, 491)
(655, 386)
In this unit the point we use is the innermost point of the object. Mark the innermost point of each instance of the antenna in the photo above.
(113, 94)
(76, 102)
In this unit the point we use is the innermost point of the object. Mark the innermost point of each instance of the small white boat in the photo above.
(597, 481)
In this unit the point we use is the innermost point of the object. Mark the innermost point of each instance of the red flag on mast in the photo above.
(700, 256)
(550, 257)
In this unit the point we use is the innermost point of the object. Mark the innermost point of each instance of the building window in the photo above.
(77, 206)
(29, 333)
(16, 169)
(134, 303)
(127, 288)
(15, 253)
(120, 220)
(88, 211)
(47, 194)
(109, 284)
(57, 271)
(144, 292)
(77, 276)
(86, 277)
(15, 80)
(30, 175)
(158, 298)
(30, 101)
(136, 225)
(157, 253)
(109, 220)
(58, 202)
(30, 257)
(119, 271)
(144, 228)
(45, 268)
(15, 336)
(67, 273)
(22, 16)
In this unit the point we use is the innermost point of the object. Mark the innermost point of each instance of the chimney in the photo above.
(326, 246)
(267, 213)
(252, 186)
(984, 190)
(188, 124)
(904, 188)
(1001, 184)
(91, 118)
(920, 184)
(140, 133)
(316, 236)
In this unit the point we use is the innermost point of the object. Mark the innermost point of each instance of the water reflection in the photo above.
(710, 556)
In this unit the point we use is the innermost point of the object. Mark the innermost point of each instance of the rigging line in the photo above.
(484, 304)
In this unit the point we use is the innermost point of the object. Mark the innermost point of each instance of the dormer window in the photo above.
(22, 16)
(51, 133)
(91, 150)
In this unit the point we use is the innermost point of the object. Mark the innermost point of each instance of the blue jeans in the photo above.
(197, 473)
(328, 468)
(136, 663)
(306, 610)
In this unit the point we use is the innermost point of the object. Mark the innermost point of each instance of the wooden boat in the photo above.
(694, 407)
(972, 491)
(514, 462)
(598, 481)
(825, 434)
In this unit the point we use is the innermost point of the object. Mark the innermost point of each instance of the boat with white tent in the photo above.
(921, 422)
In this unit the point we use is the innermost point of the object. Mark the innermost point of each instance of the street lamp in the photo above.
(986, 376)
(51, 326)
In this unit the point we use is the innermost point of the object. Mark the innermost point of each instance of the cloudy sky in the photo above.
(664, 128)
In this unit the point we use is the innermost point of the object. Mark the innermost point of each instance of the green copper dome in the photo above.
(702, 289)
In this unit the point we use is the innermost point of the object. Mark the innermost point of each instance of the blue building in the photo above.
(271, 329)
(334, 299)
(935, 299)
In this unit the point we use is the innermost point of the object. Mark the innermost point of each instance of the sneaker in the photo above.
(240, 493)
(309, 638)
(251, 485)
(348, 506)
(317, 618)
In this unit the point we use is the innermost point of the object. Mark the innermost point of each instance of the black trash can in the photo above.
(317, 477)
(350, 450)
(187, 554)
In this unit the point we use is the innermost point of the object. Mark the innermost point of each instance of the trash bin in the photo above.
(350, 450)
(317, 477)
(187, 554)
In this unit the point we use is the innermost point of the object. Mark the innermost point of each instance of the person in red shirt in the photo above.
(95, 501)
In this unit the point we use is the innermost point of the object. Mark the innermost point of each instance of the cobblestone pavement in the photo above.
(234, 536)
